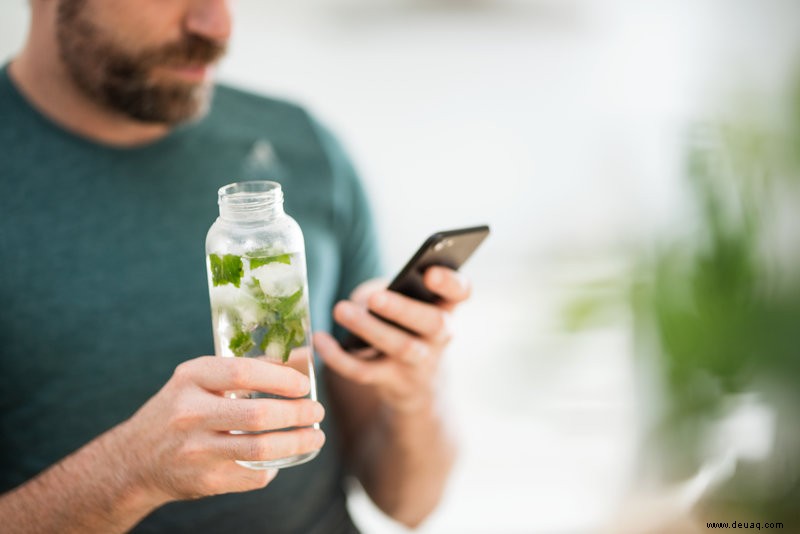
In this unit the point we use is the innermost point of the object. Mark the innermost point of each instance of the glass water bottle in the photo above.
(258, 288)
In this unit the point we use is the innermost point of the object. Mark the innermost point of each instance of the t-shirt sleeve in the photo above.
(353, 221)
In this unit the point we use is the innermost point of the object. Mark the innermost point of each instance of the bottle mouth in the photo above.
(251, 197)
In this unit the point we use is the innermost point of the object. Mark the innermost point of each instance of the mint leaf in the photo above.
(295, 332)
(227, 269)
(276, 338)
(241, 343)
(257, 292)
(275, 333)
(258, 262)
(285, 305)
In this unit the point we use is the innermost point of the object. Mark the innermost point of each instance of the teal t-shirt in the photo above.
(103, 285)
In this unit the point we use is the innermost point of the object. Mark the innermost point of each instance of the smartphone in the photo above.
(449, 248)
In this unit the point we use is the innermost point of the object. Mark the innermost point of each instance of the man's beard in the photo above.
(122, 81)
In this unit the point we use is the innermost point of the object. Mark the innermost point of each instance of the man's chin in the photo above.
(167, 104)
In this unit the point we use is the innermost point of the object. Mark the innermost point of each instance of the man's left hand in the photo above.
(405, 377)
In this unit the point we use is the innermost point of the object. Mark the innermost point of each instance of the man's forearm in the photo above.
(405, 461)
(87, 491)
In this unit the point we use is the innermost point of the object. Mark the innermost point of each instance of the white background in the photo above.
(560, 123)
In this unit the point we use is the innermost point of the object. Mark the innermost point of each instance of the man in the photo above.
(112, 151)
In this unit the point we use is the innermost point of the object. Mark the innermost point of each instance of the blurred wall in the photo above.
(555, 117)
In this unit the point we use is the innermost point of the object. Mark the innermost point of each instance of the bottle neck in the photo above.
(250, 202)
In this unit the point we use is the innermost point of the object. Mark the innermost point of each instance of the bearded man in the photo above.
(114, 141)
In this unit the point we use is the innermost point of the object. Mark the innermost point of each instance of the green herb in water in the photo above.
(256, 262)
(241, 343)
(276, 325)
(227, 269)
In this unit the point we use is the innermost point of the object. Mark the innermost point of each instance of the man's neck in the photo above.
(42, 78)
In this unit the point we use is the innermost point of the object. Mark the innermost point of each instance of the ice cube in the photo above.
(275, 350)
(278, 279)
(224, 296)
(229, 299)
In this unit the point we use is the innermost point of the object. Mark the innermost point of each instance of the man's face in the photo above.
(148, 59)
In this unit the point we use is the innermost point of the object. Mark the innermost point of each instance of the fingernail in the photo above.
(436, 277)
(319, 412)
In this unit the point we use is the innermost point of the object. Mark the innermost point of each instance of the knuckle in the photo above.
(407, 346)
(237, 374)
(291, 380)
(259, 449)
(185, 415)
(318, 440)
(446, 336)
(305, 412)
(182, 372)
(312, 412)
(188, 370)
(252, 416)
(269, 419)
(411, 349)
(192, 450)
(310, 440)
(318, 412)
(466, 287)
(363, 375)
(301, 383)
(274, 418)
(445, 328)
(385, 302)
(438, 322)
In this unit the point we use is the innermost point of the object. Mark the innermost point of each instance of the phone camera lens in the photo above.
(445, 243)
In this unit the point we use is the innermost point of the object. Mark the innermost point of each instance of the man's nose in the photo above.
(211, 19)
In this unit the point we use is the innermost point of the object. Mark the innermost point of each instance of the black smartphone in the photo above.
(449, 248)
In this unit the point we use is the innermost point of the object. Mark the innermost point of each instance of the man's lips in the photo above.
(191, 73)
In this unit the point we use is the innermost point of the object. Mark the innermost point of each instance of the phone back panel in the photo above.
(450, 249)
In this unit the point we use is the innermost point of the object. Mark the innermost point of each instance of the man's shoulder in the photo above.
(238, 111)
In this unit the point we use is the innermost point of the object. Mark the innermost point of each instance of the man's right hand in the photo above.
(178, 445)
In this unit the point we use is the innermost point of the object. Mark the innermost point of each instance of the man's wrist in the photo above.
(95, 489)
(411, 421)
(123, 474)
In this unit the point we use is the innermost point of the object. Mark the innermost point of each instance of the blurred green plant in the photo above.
(719, 308)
